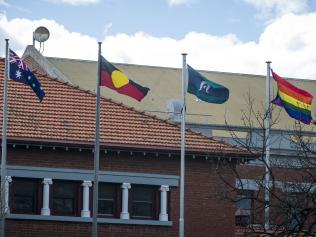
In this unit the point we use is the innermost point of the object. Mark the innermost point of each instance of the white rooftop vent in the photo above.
(174, 109)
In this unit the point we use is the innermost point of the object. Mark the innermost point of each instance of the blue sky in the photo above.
(155, 17)
(220, 35)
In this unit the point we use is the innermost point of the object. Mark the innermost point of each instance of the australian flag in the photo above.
(20, 72)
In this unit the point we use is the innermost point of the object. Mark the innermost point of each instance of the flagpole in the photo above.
(267, 154)
(96, 151)
(182, 165)
(4, 140)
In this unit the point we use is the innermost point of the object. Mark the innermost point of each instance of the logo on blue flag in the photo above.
(20, 72)
(205, 89)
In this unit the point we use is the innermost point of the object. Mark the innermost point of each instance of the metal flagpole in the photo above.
(4, 140)
(267, 154)
(96, 151)
(182, 165)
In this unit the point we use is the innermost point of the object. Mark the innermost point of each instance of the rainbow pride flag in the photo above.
(296, 102)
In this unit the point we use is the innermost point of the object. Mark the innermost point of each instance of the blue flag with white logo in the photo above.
(205, 89)
(20, 72)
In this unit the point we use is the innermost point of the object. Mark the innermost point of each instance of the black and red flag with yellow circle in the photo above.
(114, 79)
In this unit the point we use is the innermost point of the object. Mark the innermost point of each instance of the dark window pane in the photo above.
(23, 204)
(244, 202)
(141, 209)
(64, 198)
(242, 220)
(24, 187)
(24, 196)
(106, 207)
(244, 208)
(295, 204)
(143, 201)
(107, 198)
(143, 193)
(64, 190)
(63, 206)
(107, 190)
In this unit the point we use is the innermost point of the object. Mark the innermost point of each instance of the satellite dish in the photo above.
(41, 34)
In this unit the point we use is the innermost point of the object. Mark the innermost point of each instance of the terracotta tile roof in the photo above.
(67, 115)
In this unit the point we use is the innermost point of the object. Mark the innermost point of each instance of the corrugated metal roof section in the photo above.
(67, 115)
(165, 84)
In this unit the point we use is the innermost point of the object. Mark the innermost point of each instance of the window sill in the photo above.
(88, 219)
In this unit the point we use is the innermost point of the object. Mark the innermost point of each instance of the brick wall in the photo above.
(207, 213)
(52, 228)
(279, 208)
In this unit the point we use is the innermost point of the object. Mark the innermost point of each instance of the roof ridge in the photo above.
(175, 68)
(262, 77)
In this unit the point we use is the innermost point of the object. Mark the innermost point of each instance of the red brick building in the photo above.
(217, 121)
(50, 169)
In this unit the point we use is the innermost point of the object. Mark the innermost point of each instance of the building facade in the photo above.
(50, 169)
(228, 122)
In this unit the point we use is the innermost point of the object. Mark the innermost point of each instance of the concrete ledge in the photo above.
(104, 176)
(88, 220)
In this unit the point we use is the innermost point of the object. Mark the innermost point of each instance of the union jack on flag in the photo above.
(20, 72)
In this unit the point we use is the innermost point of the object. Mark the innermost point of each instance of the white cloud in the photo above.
(178, 2)
(62, 43)
(74, 2)
(289, 42)
(3, 3)
(275, 8)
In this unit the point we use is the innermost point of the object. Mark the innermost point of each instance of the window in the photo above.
(295, 204)
(24, 196)
(143, 202)
(107, 202)
(244, 206)
(65, 198)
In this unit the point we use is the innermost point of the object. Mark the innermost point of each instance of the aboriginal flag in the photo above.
(114, 79)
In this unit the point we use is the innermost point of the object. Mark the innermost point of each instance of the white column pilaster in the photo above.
(45, 211)
(6, 187)
(125, 187)
(163, 216)
(85, 212)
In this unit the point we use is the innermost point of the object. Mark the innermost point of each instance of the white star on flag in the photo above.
(18, 74)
